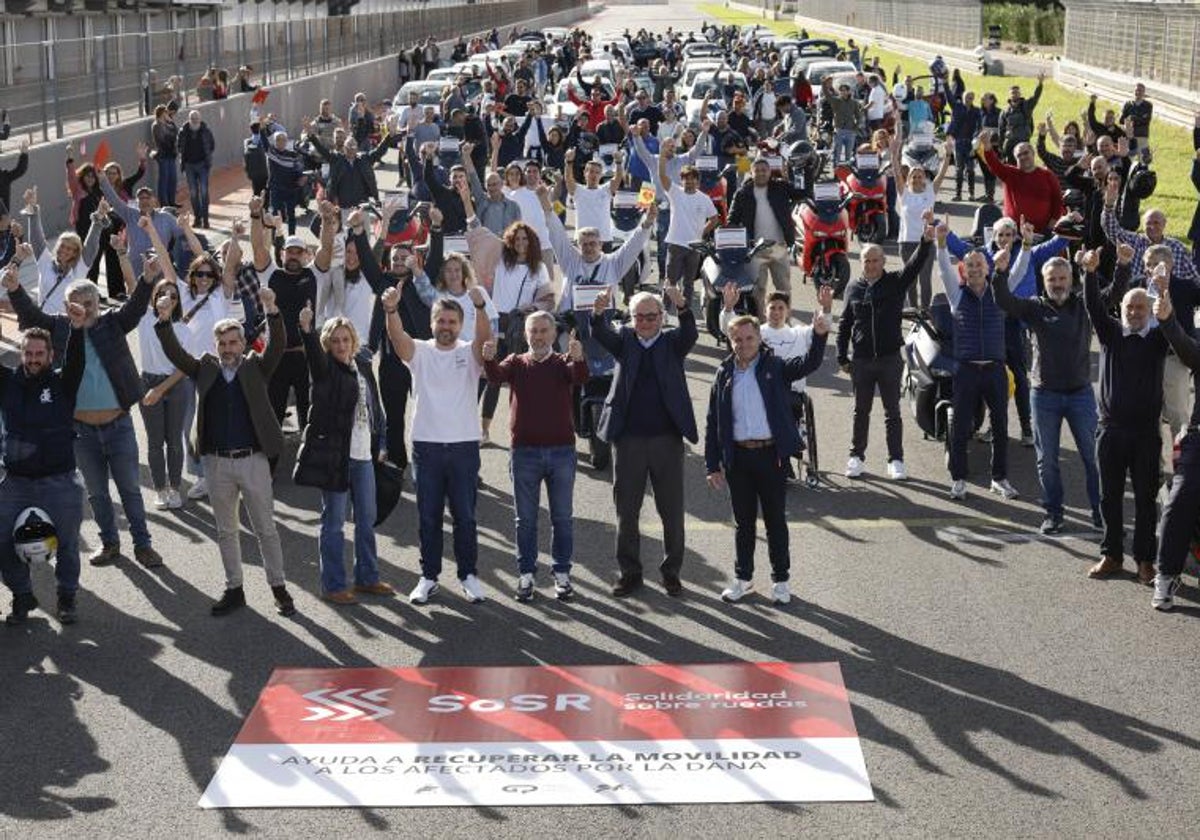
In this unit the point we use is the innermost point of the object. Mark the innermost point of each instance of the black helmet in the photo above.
(1142, 183)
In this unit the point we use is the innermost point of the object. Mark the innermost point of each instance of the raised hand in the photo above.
(163, 307)
(1162, 305)
(143, 151)
(8, 278)
(825, 298)
(76, 314)
(1089, 260)
(467, 149)
(729, 296)
(1124, 253)
(390, 298)
(820, 322)
(940, 232)
(674, 294)
(23, 252)
(488, 350)
(436, 217)
(1002, 258)
(266, 297)
(306, 317)
(1026, 231)
(255, 204)
(144, 223)
(602, 302)
(477, 296)
(570, 155)
(575, 348)
(354, 221)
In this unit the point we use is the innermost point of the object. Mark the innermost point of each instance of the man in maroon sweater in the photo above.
(1030, 191)
(541, 384)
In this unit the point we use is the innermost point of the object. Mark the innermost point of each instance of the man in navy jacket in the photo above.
(750, 437)
(646, 416)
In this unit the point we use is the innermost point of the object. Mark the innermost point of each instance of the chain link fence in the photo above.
(955, 23)
(66, 86)
(1157, 42)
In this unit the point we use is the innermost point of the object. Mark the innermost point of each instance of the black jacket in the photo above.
(667, 354)
(775, 377)
(107, 335)
(352, 182)
(780, 195)
(871, 313)
(39, 416)
(1194, 230)
(7, 176)
(324, 457)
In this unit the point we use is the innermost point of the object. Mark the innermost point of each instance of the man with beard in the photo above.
(446, 434)
(37, 404)
(237, 436)
(295, 286)
(1060, 377)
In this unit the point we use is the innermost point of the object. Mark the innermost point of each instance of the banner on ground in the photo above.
(592, 735)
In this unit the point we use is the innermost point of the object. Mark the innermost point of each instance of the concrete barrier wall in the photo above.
(229, 118)
(1155, 41)
(956, 23)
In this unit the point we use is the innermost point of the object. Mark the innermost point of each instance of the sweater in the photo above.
(1062, 338)
(1035, 195)
(39, 414)
(541, 399)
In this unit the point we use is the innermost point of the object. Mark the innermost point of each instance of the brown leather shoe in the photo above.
(105, 555)
(377, 588)
(147, 556)
(345, 598)
(1145, 572)
(1107, 567)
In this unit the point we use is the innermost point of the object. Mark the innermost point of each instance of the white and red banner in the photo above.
(589, 735)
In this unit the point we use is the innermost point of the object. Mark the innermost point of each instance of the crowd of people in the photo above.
(470, 281)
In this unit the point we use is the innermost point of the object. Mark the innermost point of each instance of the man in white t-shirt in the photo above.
(876, 102)
(693, 215)
(445, 434)
(593, 201)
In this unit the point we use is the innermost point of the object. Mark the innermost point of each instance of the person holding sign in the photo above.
(749, 440)
(646, 417)
(763, 206)
(693, 216)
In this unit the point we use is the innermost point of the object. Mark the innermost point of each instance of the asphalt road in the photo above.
(997, 691)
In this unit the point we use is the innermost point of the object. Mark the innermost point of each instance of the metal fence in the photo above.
(1153, 41)
(955, 23)
(62, 87)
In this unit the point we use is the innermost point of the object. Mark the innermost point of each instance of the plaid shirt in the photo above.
(247, 280)
(1184, 267)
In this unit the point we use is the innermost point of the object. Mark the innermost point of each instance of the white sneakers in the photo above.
(854, 467)
(781, 593)
(422, 592)
(736, 590)
(958, 490)
(1004, 489)
(472, 589)
(167, 498)
(897, 471)
(1165, 587)
(198, 490)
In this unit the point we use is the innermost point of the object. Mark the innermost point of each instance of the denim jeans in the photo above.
(164, 422)
(529, 467)
(1178, 521)
(197, 180)
(843, 144)
(446, 472)
(964, 165)
(168, 180)
(1050, 408)
(112, 449)
(61, 496)
(333, 517)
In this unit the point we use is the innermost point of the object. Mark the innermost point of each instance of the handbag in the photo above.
(512, 324)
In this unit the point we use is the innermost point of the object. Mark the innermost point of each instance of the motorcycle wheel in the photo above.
(839, 266)
(876, 230)
(599, 452)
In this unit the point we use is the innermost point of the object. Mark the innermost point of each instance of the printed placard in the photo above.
(548, 735)
(456, 244)
(730, 237)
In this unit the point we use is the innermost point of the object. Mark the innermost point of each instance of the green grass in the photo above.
(1172, 145)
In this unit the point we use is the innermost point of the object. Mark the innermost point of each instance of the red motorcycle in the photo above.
(823, 232)
(866, 187)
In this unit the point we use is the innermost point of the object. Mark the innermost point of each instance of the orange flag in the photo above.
(103, 153)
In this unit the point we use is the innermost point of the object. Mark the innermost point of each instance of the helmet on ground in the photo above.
(34, 537)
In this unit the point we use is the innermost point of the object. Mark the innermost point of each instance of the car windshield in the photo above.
(723, 87)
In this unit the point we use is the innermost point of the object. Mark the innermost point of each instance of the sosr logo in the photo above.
(446, 703)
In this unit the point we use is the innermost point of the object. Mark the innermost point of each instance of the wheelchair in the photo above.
(806, 423)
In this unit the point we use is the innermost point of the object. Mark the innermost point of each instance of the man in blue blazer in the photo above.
(750, 437)
(646, 416)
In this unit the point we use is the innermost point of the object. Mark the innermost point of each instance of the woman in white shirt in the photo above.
(915, 197)
(170, 396)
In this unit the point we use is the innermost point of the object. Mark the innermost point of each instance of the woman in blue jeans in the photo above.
(337, 455)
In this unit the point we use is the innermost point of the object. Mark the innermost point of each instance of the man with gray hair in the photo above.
(105, 440)
(237, 434)
(1131, 396)
(1061, 383)
(541, 416)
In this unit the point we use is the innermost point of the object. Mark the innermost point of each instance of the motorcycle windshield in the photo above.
(599, 361)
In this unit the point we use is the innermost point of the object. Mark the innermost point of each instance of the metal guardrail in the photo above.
(54, 89)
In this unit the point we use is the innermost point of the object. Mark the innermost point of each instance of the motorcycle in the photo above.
(920, 149)
(728, 258)
(864, 184)
(714, 182)
(823, 232)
